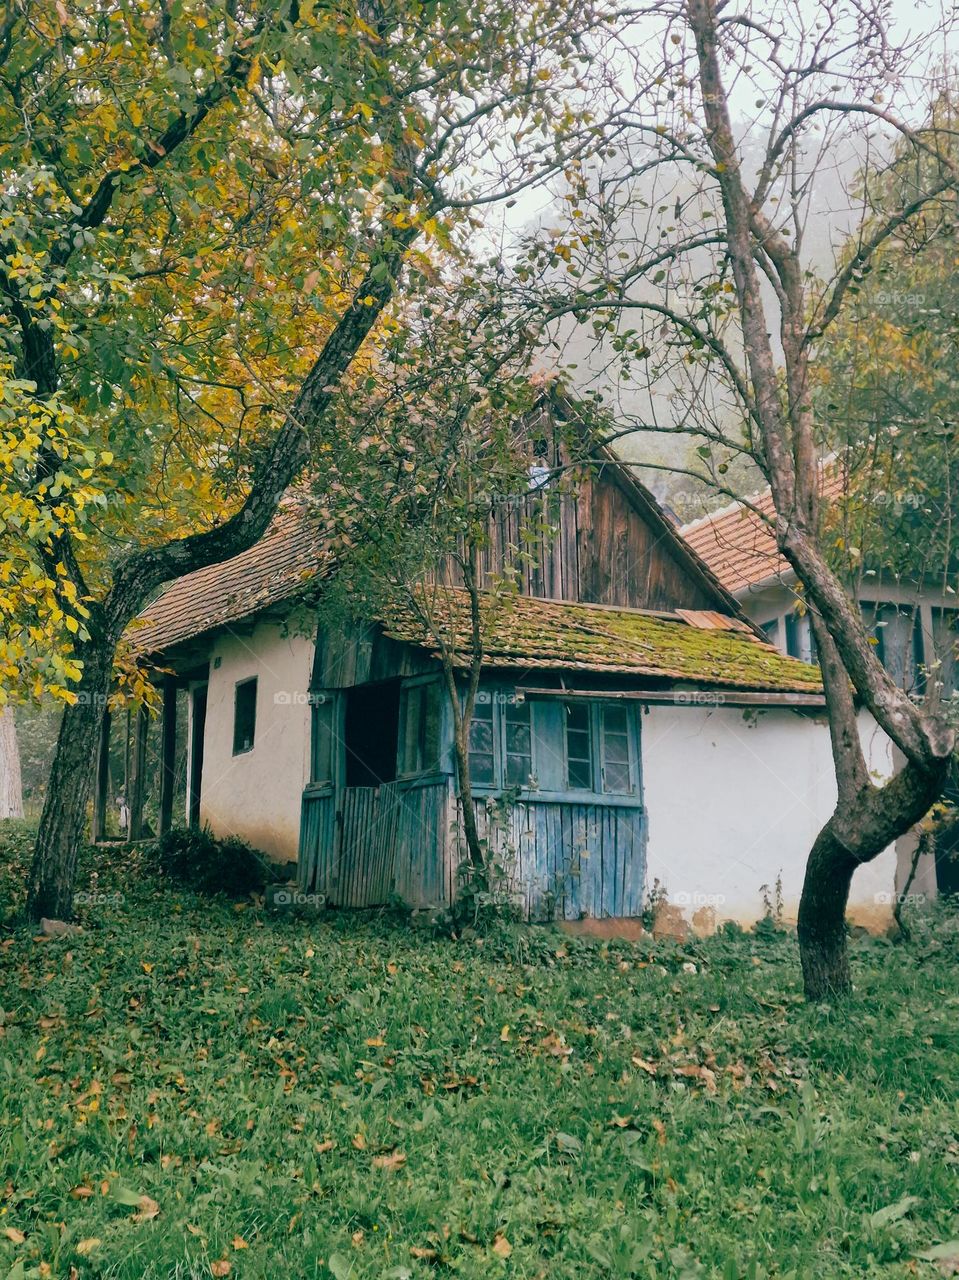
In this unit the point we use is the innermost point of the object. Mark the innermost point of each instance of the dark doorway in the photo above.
(197, 733)
(371, 731)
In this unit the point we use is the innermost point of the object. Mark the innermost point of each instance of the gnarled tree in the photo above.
(202, 219)
(696, 269)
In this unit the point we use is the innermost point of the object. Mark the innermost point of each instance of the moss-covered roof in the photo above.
(524, 632)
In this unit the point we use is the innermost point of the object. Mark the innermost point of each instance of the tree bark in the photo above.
(53, 872)
(823, 950)
(11, 784)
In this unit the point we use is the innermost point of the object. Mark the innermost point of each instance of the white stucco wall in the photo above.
(736, 798)
(257, 794)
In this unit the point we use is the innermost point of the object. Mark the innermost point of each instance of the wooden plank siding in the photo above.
(599, 549)
(381, 842)
(566, 860)
(569, 860)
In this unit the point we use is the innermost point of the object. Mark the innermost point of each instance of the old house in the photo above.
(638, 725)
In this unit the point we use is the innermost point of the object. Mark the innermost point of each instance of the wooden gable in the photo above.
(607, 542)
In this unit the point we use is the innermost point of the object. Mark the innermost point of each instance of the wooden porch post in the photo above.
(101, 789)
(138, 770)
(168, 754)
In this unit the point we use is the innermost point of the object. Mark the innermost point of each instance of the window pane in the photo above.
(897, 645)
(579, 752)
(482, 762)
(616, 778)
(614, 719)
(481, 769)
(481, 736)
(519, 747)
(580, 775)
(517, 738)
(244, 716)
(617, 774)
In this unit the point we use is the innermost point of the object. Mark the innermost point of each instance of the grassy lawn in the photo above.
(196, 1088)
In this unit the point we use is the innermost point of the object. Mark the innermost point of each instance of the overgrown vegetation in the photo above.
(193, 1087)
(197, 859)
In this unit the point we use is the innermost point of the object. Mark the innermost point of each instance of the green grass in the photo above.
(345, 1097)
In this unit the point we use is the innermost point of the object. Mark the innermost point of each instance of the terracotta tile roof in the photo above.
(524, 632)
(738, 542)
(288, 556)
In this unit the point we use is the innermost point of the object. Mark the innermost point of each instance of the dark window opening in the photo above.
(371, 733)
(244, 716)
(197, 739)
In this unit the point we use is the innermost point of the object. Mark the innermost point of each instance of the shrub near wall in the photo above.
(199, 860)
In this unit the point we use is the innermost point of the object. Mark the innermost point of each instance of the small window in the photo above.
(244, 716)
(519, 744)
(945, 639)
(579, 747)
(617, 755)
(898, 637)
(771, 631)
(482, 758)
(420, 742)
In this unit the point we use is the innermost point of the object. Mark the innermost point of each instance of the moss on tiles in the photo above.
(547, 634)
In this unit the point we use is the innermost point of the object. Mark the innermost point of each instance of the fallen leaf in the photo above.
(239, 1243)
(147, 1210)
(82, 1193)
(644, 1064)
(220, 1268)
(394, 1160)
(16, 1236)
(359, 1141)
(501, 1246)
(427, 1254)
(321, 1147)
(88, 1245)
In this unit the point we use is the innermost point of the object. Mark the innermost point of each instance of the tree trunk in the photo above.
(63, 819)
(822, 917)
(11, 785)
(474, 845)
(856, 833)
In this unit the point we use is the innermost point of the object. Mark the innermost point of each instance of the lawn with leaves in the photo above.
(196, 1088)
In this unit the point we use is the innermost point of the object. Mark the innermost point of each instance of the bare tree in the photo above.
(689, 256)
